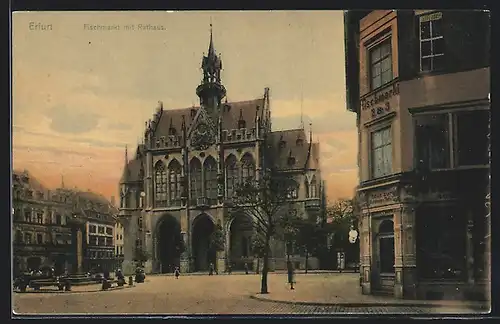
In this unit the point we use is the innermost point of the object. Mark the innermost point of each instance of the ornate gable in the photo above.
(203, 131)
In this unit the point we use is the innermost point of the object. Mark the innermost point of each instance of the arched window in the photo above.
(174, 178)
(210, 168)
(293, 192)
(248, 167)
(232, 177)
(160, 185)
(195, 179)
(314, 188)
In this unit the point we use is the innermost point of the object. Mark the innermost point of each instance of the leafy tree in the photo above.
(258, 249)
(141, 256)
(217, 239)
(264, 201)
(342, 218)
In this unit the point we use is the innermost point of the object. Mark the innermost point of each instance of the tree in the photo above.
(342, 218)
(216, 242)
(141, 256)
(258, 248)
(264, 201)
(309, 237)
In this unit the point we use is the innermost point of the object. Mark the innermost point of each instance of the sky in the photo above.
(81, 95)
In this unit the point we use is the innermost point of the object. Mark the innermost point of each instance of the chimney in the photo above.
(113, 201)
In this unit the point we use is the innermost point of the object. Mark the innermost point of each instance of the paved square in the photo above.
(222, 294)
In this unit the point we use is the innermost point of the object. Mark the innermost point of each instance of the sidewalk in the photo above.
(343, 290)
(74, 289)
(241, 272)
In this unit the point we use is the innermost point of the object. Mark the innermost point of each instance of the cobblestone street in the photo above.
(223, 294)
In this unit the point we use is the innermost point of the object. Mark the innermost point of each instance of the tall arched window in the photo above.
(195, 179)
(210, 168)
(232, 177)
(314, 188)
(160, 185)
(174, 178)
(248, 167)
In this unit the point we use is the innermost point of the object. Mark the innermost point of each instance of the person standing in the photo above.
(290, 274)
(211, 269)
(177, 273)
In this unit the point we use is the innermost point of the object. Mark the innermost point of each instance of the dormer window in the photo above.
(291, 161)
(299, 141)
(241, 124)
(282, 144)
(172, 131)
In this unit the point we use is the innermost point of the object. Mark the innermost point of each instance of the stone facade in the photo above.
(177, 185)
(42, 236)
(54, 228)
(418, 149)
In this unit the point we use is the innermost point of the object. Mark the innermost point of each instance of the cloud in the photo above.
(94, 142)
(327, 122)
(52, 150)
(64, 120)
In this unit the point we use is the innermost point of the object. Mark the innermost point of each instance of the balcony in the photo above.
(312, 204)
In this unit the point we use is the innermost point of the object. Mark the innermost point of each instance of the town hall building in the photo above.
(176, 189)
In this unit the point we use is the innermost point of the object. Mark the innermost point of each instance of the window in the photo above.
(381, 153)
(39, 238)
(431, 42)
(109, 230)
(174, 170)
(17, 214)
(28, 238)
(160, 185)
(306, 185)
(441, 238)
(100, 229)
(432, 140)
(101, 241)
(58, 219)
(109, 241)
(435, 144)
(27, 216)
(232, 176)
(314, 188)
(472, 137)
(93, 240)
(139, 222)
(380, 64)
(293, 192)
(92, 229)
(211, 180)
(195, 176)
(19, 236)
(248, 167)
(39, 217)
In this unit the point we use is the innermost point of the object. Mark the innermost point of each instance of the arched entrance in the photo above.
(169, 244)
(203, 252)
(240, 242)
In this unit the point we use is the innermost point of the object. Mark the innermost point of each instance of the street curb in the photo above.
(355, 305)
(72, 291)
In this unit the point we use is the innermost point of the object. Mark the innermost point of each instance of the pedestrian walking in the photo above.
(246, 268)
(290, 274)
(211, 269)
(177, 273)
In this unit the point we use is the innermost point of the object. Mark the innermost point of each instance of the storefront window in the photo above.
(441, 239)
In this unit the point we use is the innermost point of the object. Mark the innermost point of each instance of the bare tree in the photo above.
(264, 201)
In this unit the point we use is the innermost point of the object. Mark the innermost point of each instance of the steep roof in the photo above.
(28, 181)
(290, 149)
(231, 113)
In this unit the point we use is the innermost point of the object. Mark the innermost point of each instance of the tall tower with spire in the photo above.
(211, 91)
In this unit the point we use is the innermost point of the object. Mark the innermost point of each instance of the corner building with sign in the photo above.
(177, 188)
(418, 81)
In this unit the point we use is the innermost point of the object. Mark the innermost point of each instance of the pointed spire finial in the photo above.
(62, 181)
(310, 132)
(211, 49)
